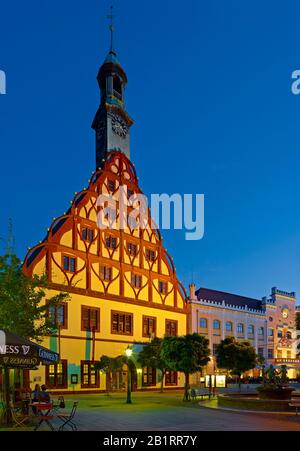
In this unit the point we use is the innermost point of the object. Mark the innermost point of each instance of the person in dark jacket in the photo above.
(44, 395)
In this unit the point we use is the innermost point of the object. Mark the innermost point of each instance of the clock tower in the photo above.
(111, 123)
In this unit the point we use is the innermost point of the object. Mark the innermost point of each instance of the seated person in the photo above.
(36, 393)
(44, 396)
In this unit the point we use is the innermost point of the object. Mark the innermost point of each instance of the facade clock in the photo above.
(119, 126)
(285, 312)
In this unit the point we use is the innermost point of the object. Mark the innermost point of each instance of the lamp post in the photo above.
(128, 353)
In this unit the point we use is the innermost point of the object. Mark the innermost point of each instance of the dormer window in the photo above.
(117, 88)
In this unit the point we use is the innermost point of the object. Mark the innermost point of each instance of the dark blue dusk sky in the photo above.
(210, 92)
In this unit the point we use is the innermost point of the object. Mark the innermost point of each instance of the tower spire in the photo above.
(111, 123)
(111, 17)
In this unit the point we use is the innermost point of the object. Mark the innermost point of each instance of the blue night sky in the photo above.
(210, 92)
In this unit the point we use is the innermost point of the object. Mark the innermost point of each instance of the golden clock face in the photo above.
(285, 312)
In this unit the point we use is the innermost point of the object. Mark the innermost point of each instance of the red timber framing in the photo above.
(118, 168)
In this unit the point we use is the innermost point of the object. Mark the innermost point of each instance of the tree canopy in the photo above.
(22, 310)
(187, 354)
(150, 356)
(236, 356)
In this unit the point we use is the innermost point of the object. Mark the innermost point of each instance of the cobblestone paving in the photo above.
(184, 419)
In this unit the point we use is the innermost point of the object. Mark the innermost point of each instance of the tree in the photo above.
(110, 365)
(186, 354)
(150, 356)
(236, 356)
(22, 310)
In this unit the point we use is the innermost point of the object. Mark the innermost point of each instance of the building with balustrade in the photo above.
(268, 323)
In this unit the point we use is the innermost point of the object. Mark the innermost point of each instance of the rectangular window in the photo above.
(149, 326)
(90, 319)
(171, 328)
(260, 331)
(57, 375)
(171, 378)
(149, 377)
(279, 354)
(111, 185)
(163, 287)
(279, 333)
(132, 249)
(150, 255)
(58, 315)
(136, 280)
(69, 263)
(121, 323)
(89, 375)
(87, 234)
(270, 354)
(203, 323)
(111, 242)
(105, 273)
(271, 332)
(288, 354)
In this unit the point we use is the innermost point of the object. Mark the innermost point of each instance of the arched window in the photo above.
(203, 323)
(228, 326)
(117, 87)
(240, 328)
(251, 329)
(216, 324)
(289, 335)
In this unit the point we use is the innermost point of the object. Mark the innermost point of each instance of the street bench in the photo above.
(201, 393)
(296, 405)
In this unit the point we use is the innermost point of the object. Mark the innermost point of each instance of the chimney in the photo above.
(192, 288)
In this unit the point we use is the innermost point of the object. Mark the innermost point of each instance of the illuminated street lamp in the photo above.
(128, 353)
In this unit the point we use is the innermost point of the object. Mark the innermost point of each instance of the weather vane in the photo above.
(111, 17)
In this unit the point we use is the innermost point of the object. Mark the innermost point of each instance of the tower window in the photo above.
(117, 87)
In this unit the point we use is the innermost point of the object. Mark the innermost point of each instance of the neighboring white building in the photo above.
(269, 323)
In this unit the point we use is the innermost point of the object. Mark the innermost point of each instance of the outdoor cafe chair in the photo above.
(67, 418)
(18, 417)
(42, 417)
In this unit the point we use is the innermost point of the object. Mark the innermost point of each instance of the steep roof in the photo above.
(228, 298)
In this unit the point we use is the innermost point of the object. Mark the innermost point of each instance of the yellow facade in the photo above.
(158, 293)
